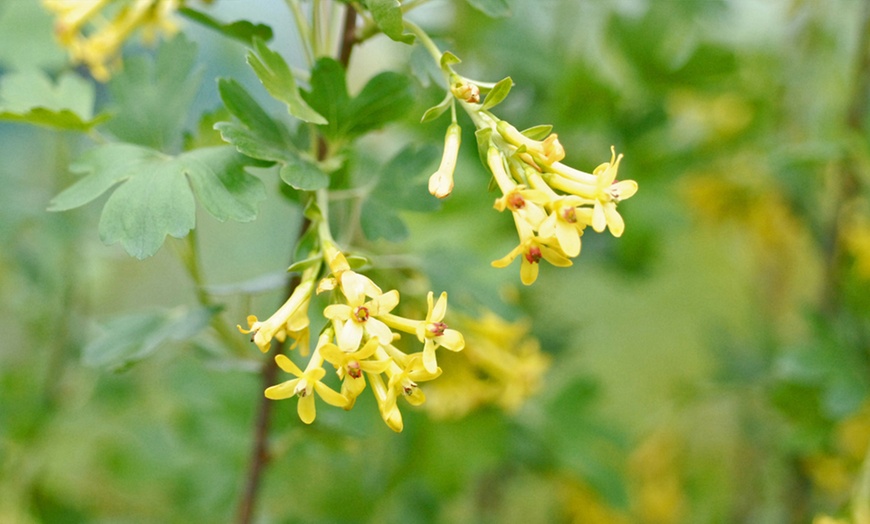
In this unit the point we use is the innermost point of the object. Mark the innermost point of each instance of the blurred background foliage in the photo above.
(709, 366)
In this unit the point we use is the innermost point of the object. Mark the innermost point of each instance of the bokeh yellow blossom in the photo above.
(501, 365)
(94, 31)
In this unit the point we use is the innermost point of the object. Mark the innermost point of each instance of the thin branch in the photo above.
(260, 457)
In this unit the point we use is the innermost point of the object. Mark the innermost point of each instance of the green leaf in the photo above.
(241, 30)
(302, 265)
(258, 135)
(404, 180)
(303, 175)
(127, 339)
(379, 220)
(388, 16)
(539, 132)
(435, 111)
(243, 106)
(155, 198)
(384, 98)
(278, 80)
(491, 8)
(27, 37)
(484, 140)
(153, 96)
(402, 184)
(498, 93)
(205, 134)
(30, 97)
(261, 137)
(448, 59)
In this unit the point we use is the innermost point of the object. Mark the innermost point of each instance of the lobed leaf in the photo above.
(155, 197)
(30, 97)
(278, 80)
(152, 96)
(388, 16)
(402, 184)
(385, 98)
(128, 339)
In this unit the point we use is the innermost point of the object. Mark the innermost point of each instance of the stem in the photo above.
(348, 35)
(303, 28)
(260, 457)
(188, 251)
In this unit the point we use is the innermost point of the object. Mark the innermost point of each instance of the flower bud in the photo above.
(545, 151)
(441, 182)
(464, 90)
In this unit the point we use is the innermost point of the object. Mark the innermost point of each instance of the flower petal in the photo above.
(282, 390)
(306, 409)
(288, 365)
(614, 220)
(440, 308)
(529, 272)
(349, 337)
(329, 395)
(451, 339)
(568, 237)
(599, 219)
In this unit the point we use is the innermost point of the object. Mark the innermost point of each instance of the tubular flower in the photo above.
(441, 182)
(386, 404)
(291, 319)
(404, 381)
(533, 248)
(304, 385)
(432, 331)
(566, 223)
(350, 367)
(544, 152)
(526, 204)
(100, 47)
(609, 194)
(358, 317)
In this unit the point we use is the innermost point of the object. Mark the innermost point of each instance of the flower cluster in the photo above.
(501, 365)
(95, 39)
(551, 203)
(358, 341)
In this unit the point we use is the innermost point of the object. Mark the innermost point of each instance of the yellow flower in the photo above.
(386, 406)
(544, 152)
(600, 188)
(441, 182)
(350, 367)
(500, 365)
(72, 15)
(524, 203)
(566, 223)
(404, 381)
(609, 194)
(304, 385)
(533, 249)
(432, 331)
(291, 319)
(358, 316)
(99, 46)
